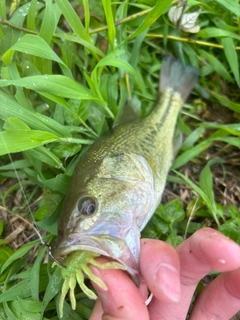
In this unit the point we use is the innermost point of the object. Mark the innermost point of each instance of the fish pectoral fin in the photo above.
(126, 166)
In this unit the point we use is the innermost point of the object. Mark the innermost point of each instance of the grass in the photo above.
(67, 70)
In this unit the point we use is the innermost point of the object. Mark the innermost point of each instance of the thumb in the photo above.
(121, 301)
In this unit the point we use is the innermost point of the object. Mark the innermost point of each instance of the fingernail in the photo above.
(169, 281)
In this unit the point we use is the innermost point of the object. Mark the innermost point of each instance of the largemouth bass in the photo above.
(119, 181)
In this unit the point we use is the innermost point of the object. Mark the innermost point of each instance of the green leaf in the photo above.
(173, 211)
(19, 253)
(38, 47)
(10, 108)
(233, 6)
(230, 230)
(206, 184)
(226, 102)
(232, 57)
(50, 20)
(202, 194)
(230, 140)
(217, 33)
(34, 275)
(73, 19)
(53, 84)
(190, 154)
(107, 5)
(216, 64)
(84, 43)
(32, 12)
(151, 17)
(54, 286)
(113, 60)
(21, 140)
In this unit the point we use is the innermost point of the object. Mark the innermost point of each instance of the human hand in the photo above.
(172, 276)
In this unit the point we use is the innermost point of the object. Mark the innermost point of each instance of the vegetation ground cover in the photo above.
(68, 69)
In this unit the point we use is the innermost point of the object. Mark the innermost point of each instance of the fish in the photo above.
(119, 181)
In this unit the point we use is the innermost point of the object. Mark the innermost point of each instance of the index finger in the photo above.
(122, 301)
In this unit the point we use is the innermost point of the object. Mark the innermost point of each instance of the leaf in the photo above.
(21, 289)
(151, 17)
(19, 253)
(233, 6)
(190, 154)
(10, 108)
(54, 84)
(216, 64)
(84, 43)
(36, 46)
(226, 102)
(34, 275)
(173, 211)
(110, 60)
(217, 33)
(192, 138)
(50, 21)
(230, 140)
(232, 57)
(201, 193)
(206, 184)
(107, 5)
(230, 230)
(53, 287)
(21, 140)
(73, 19)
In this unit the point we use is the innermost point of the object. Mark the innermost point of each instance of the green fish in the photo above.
(119, 181)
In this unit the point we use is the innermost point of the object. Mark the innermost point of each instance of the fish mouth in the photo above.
(108, 246)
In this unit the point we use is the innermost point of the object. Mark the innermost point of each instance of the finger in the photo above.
(226, 292)
(122, 300)
(97, 311)
(207, 249)
(159, 265)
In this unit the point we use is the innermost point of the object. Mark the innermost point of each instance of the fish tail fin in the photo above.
(175, 77)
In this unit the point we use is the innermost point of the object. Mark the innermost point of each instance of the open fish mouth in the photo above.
(105, 245)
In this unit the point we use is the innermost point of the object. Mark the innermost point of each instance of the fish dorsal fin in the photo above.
(128, 114)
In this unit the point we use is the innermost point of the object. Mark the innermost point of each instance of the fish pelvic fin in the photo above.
(177, 78)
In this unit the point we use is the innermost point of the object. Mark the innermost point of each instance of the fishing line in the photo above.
(34, 226)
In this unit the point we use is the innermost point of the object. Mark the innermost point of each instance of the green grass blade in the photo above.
(201, 193)
(19, 253)
(107, 5)
(32, 12)
(233, 6)
(34, 275)
(190, 154)
(93, 49)
(226, 102)
(53, 84)
(217, 33)
(38, 47)
(232, 57)
(230, 140)
(216, 64)
(10, 108)
(116, 62)
(49, 22)
(206, 184)
(151, 17)
(73, 19)
(86, 14)
(53, 287)
(21, 140)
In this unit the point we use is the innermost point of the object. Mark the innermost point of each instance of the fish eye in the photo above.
(87, 205)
